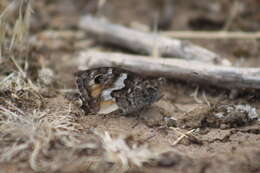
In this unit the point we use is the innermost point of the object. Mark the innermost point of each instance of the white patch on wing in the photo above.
(118, 84)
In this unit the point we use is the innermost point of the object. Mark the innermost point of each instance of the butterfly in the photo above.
(106, 90)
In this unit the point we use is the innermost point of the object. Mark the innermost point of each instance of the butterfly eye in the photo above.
(99, 79)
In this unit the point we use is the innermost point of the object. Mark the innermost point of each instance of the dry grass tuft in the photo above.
(125, 152)
(15, 19)
(22, 24)
(46, 140)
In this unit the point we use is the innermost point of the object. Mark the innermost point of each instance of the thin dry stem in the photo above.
(233, 14)
(22, 24)
(195, 95)
(7, 9)
(33, 159)
(34, 87)
(213, 35)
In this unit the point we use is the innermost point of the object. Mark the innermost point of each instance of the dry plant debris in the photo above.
(219, 116)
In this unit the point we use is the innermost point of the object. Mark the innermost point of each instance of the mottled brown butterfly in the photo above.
(108, 89)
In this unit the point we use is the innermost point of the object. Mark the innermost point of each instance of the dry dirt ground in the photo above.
(191, 129)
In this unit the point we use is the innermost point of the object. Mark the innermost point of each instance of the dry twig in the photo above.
(221, 76)
(212, 35)
(142, 42)
(183, 135)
